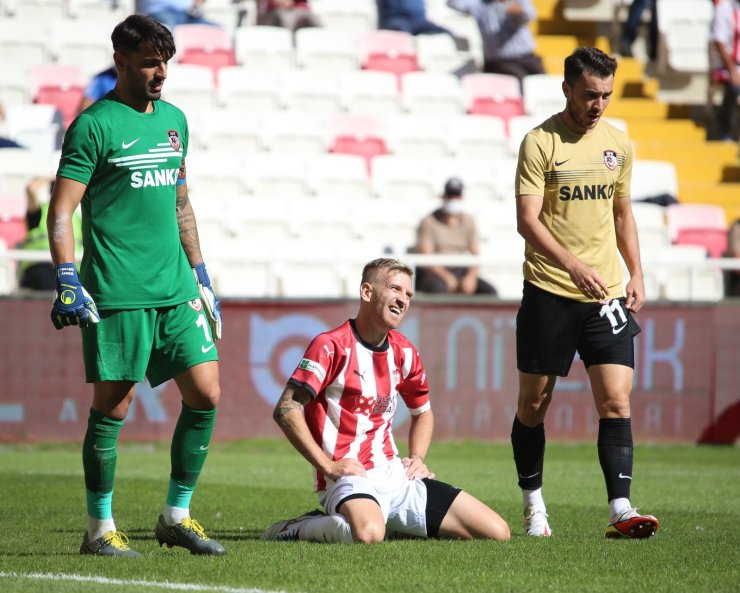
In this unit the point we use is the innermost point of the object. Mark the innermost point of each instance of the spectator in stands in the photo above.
(337, 411)
(99, 85)
(6, 142)
(289, 14)
(174, 12)
(725, 37)
(632, 25)
(409, 16)
(508, 44)
(449, 230)
(40, 275)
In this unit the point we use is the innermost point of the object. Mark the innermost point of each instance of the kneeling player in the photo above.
(337, 410)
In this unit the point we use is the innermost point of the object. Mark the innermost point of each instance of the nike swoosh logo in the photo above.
(204, 448)
(558, 163)
(616, 330)
(203, 349)
(621, 475)
(126, 145)
(532, 476)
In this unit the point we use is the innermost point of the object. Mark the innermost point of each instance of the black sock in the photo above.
(615, 455)
(529, 453)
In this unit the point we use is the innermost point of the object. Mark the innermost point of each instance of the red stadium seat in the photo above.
(58, 85)
(389, 51)
(12, 206)
(13, 231)
(493, 94)
(698, 224)
(204, 45)
(362, 136)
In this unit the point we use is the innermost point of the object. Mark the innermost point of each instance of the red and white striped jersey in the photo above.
(355, 389)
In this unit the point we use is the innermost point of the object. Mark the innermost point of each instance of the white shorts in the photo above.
(403, 502)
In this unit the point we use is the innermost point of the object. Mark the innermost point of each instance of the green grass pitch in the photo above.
(694, 491)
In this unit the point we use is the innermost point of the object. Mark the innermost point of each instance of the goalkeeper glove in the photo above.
(210, 301)
(72, 305)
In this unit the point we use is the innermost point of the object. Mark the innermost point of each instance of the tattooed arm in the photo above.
(288, 414)
(186, 220)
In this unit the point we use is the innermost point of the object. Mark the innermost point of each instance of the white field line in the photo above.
(48, 576)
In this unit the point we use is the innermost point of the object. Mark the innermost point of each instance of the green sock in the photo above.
(99, 456)
(188, 453)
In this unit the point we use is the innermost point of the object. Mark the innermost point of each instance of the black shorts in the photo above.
(550, 329)
(440, 497)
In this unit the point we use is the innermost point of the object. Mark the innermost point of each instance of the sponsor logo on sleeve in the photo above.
(313, 367)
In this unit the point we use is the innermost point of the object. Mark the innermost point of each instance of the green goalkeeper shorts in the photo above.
(128, 345)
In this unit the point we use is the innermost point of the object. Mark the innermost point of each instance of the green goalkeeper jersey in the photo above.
(129, 160)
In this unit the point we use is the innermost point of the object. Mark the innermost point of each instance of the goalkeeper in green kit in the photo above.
(143, 298)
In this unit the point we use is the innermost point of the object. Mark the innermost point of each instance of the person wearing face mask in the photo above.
(449, 230)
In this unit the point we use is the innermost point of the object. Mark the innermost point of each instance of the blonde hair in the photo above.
(389, 264)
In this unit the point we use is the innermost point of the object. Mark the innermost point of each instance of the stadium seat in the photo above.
(361, 136)
(439, 53)
(356, 17)
(190, 87)
(294, 134)
(91, 52)
(250, 90)
(222, 129)
(12, 231)
(311, 92)
(431, 93)
(389, 226)
(243, 266)
(419, 136)
(499, 95)
(651, 225)
(388, 51)
(204, 45)
(332, 50)
(23, 44)
(12, 206)
(7, 270)
(37, 11)
(37, 127)
(370, 93)
(478, 136)
(484, 180)
(676, 273)
(653, 178)
(683, 29)
(216, 172)
(18, 166)
(404, 179)
(503, 254)
(519, 125)
(264, 48)
(58, 85)
(275, 177)
(543, 94)
(698, 224)
(335, 176)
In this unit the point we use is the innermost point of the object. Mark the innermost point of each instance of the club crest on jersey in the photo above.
(174, 139)
(196, 305)
(610, 159)
(313, 367)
